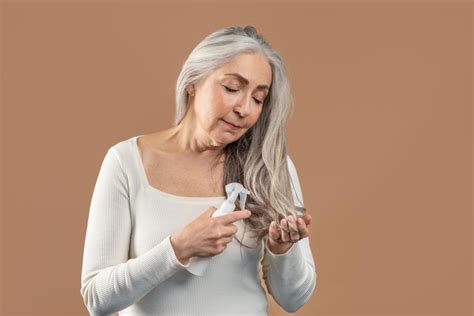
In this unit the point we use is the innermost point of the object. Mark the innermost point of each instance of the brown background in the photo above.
(380, 135)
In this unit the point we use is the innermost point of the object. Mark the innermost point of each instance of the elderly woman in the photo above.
(152, 205)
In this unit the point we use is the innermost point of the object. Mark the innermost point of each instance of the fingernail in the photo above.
(249, 213)
(300, 221)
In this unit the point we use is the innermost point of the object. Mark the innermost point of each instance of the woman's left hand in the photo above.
(281, 237)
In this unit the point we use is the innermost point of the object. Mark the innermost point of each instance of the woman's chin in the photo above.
(225, 139)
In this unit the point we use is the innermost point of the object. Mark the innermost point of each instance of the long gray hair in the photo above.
(258, 159)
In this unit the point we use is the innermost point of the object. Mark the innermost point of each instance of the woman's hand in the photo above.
(206, 235)
(282, 236)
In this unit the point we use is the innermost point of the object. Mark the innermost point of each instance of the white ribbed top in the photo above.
(130, 267)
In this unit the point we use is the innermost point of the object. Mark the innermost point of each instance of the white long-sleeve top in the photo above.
(129, 265)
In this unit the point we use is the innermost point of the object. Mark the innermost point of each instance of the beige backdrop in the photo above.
(380, 135)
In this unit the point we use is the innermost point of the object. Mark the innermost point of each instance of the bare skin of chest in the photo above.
(180, 175)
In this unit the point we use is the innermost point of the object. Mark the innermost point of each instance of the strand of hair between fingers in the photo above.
(285, 229)
(280, 241)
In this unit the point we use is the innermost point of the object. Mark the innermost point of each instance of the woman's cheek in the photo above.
(228, 100)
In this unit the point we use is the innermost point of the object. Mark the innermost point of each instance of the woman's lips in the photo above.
(232, 125)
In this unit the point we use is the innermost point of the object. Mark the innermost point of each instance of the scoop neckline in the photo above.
(151, 188)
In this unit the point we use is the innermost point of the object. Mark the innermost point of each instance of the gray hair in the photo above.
(258, 159)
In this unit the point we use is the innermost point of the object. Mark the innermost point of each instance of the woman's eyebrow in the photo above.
(244, 80)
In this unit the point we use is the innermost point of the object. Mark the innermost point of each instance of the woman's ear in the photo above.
(190, 90)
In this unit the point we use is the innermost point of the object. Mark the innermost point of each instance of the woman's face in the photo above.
(234, 93)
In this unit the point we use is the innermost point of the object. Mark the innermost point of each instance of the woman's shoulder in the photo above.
(141, 140)
(155, 141)
(126, 149)
(141, 145)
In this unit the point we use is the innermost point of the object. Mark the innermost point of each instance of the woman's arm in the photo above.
(111, 282)
(290, 277)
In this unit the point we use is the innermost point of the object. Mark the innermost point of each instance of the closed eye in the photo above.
(232, 90)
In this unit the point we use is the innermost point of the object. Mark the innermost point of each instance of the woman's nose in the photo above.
(244, 106)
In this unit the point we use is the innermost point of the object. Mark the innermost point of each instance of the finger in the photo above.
(230, 230)
(210, 210)
(285, 235)
(304, 232)
(307, 219)
(294, 231)
(274, 232)
(227, 240)
(234, 216)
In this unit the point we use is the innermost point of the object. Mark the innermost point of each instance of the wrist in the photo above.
(178, 248)
(278, 248)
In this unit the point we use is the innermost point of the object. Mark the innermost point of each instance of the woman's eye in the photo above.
(258, 101)
(230, 90)
(233, 90)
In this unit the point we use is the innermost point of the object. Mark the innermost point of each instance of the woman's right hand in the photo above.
(206, 235)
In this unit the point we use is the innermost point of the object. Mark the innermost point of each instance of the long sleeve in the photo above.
(110, 281)
(291, 277)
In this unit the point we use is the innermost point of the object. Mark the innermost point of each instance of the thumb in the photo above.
(210, 210)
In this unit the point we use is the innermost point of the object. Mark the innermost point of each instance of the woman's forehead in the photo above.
(248, 69)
